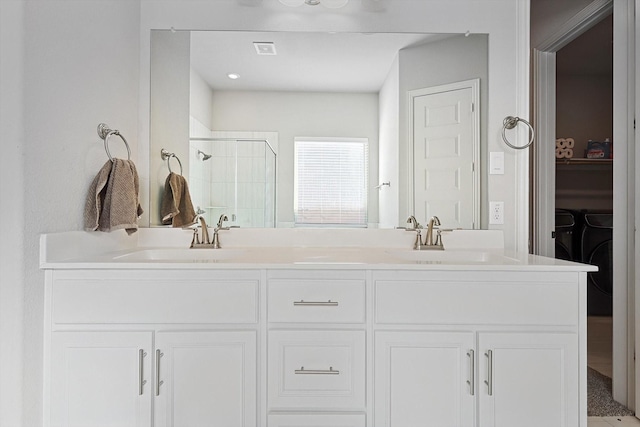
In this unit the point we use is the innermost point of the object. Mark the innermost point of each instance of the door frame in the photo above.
(543, 179)
(474, 85)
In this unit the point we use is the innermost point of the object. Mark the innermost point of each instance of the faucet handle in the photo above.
(221, 220)
(414, 223)
(195, 240)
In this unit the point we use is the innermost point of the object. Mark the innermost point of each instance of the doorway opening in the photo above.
(545, 86)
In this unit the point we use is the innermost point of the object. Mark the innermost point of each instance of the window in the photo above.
(330, 185)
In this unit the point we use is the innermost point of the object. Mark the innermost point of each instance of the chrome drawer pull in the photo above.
(159, 354)
(303, 371)
(316, 303)
(141, 381)
(472, 374)
(489, 380)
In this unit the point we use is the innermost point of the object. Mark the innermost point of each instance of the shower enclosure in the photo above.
(236, 177)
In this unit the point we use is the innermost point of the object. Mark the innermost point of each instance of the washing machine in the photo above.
(597, 249)
(564, 236)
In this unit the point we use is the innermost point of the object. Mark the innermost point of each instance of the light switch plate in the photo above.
(496, 163)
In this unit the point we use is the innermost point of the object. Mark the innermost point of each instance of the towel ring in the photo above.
(167, 156)
(509, 123)
(105, 133)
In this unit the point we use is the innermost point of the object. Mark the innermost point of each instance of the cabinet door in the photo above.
(528, 379)
(206, 379)
(100, 379)
(424, 379)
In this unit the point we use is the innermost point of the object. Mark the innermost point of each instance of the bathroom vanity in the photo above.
(357, 330)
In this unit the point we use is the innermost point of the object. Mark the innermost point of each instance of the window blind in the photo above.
(331, 181)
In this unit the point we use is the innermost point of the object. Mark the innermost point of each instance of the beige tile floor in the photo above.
(599, 336)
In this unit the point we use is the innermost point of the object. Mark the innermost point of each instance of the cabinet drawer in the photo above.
(316, 369)
(317, 420)
(154, 301)
(426, 302)
(316, 301)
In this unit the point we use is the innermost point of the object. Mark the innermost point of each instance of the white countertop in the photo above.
(337, 249)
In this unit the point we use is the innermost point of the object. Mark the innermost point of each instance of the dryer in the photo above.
(597, 249)
(564, 235)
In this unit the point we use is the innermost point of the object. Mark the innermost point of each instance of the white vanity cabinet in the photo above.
(501, 352)
(253, 343)
(198, 378)
(151, 348)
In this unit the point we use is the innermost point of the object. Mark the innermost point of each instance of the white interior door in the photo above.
(445, 154)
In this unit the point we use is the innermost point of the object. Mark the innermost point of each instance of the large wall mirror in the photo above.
(235, 137)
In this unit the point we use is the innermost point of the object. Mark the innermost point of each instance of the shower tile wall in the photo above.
(238, 180)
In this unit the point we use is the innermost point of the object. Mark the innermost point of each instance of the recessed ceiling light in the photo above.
(233, 76)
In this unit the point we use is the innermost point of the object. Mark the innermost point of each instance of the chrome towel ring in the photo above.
(167, 156)
(510, 122)
(105, 133)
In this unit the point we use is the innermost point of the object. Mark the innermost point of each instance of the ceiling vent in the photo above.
(265, 48)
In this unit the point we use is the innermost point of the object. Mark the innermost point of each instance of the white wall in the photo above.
(81, 68)
(11, 205)
(200, 100)
(170, 82)
(451, 60)
(293, 114)
(388, 159)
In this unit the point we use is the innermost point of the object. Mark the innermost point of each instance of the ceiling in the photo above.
(305, 61)
(589, 54)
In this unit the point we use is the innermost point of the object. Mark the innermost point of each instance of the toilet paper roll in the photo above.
(570, 143)
(568, 153)
(559, 153)
(561, 143)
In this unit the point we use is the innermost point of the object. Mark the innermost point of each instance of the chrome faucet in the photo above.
(196, 242)
(206, 242)
(430, 243)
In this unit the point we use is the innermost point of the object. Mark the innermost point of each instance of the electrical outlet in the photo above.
(496, 213)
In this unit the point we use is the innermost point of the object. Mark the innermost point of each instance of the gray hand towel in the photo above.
(177, 208)
(112, 201)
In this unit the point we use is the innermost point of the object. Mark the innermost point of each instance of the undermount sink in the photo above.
(441, 256)
(180, 255)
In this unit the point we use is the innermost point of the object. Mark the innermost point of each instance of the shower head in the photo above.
(205, 156)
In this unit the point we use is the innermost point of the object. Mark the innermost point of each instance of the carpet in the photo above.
(600, 403)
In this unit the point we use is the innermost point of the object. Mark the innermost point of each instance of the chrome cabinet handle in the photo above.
(489, 380)
(303, 371)
(141, 381)
(316, 303)
(472, 372)
(159, 354)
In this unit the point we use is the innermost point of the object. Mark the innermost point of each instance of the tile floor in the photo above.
(599, 358)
